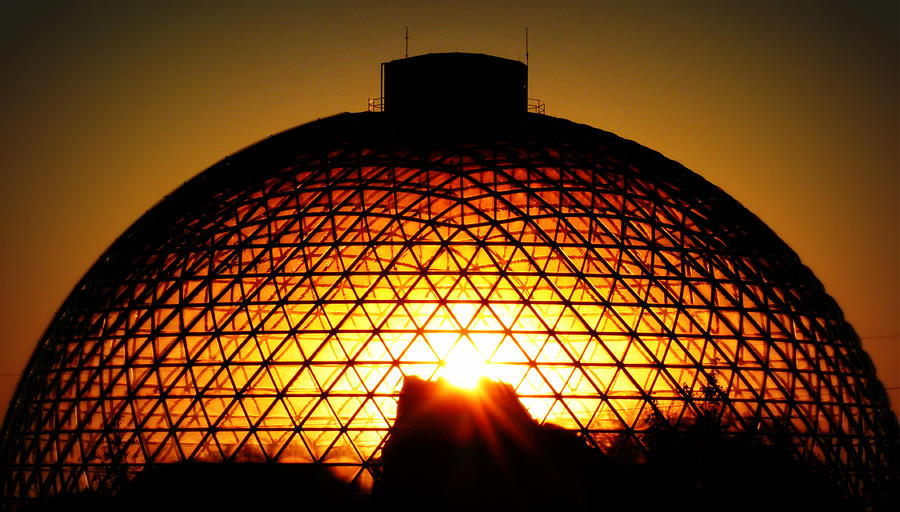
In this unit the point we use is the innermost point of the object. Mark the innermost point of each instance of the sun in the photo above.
(464, 366)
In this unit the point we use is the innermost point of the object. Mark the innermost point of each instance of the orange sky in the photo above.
(793, 110)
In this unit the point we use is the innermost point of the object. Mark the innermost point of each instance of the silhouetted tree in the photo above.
(705, 463)
(112, 470)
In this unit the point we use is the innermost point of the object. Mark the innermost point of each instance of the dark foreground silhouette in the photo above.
(458, 450)
(454, 449)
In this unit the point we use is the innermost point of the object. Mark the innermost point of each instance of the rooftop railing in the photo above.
(376, 105)
(534, 105)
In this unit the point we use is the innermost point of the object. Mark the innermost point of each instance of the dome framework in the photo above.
(269, 309)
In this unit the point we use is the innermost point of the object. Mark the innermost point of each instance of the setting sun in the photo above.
(464, 366)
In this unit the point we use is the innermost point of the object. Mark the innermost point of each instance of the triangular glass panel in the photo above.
(534, 384)
(366, 442)
(560, 416)
(342, 451)
(422, 290)
(250, 451)
(326, 374)
(378, 312)
(583, 409)
(509, 351)
(369, 416)
(318, 441)
(299, 407)
(601, 376)
(277, 417)
(348, 382)
(207, 450)
(419, 312)
(321, 417)
(419, 351)
(556, 375)
(329, 351)
(463, 290)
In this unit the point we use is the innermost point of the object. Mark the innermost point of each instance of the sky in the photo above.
(792, 107)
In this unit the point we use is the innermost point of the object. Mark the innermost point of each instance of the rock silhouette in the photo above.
(453, 448)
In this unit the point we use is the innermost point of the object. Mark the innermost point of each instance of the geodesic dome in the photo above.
(269, 308)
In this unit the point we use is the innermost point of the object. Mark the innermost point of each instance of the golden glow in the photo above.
(511, 316)
(464, 366)
(287, 338)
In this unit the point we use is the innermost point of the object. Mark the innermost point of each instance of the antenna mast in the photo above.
(526, 46)
(406, 40)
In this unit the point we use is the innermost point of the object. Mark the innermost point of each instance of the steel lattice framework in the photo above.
(269, 308)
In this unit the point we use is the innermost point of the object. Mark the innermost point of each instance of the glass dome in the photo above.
(269, 309)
